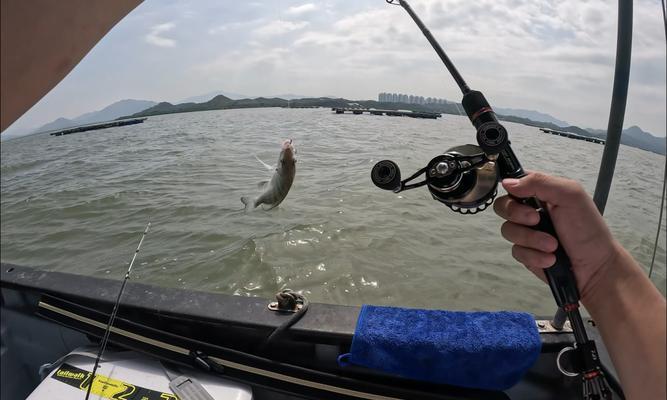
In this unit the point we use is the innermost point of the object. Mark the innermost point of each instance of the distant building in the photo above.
(386, 97)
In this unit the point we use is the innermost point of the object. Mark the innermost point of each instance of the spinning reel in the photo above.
(463, 178)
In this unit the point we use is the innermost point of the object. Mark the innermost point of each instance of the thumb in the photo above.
(553, 190)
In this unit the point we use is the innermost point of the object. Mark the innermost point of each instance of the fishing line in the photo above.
(112, 318)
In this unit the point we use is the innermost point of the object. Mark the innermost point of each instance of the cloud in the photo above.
(153, 37)
(231, 26)
(552, 56)
(302, 9)
(280, 27)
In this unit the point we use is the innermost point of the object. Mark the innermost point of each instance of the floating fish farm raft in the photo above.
(391, 113)
(573, 135)
(101, 125)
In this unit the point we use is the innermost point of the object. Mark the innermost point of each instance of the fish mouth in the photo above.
(288, 149)
(288, 144)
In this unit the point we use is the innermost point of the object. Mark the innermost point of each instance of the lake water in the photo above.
(79, 203)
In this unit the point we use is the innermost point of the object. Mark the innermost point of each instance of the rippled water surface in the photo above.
(78, 203)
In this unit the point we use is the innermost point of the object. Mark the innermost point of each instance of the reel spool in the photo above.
(463, 178)
(471, 187)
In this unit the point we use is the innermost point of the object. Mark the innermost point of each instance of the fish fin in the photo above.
(247, 202)
(267, 166)
(261, 184)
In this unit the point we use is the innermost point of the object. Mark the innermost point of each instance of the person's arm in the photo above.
(627, 308)
(42, 40)
(630, 314)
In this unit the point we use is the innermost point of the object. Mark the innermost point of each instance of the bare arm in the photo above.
(630, 313)
(43, 40)
(628, 309)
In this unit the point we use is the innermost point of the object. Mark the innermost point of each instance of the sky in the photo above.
(552, 56)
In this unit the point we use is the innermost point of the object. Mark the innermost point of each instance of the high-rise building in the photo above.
(386, 97)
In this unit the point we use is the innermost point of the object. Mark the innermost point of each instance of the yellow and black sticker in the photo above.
(106, 387)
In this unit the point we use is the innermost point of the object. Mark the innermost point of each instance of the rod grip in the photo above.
(560, 276)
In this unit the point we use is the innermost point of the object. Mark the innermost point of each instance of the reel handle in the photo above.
(387, 176)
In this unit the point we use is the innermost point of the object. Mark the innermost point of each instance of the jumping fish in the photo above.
(277, 188)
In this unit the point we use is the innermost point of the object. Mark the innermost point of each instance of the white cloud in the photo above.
(302, 9)
(280, 27)
(153, 37)
(231, 26)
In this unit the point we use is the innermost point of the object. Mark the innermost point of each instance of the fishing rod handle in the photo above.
(560, 276)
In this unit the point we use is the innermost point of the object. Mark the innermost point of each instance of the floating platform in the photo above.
(391, 113)
(573, 135)
(101, 125)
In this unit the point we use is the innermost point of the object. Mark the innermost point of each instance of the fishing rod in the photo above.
(465, 179)
(112, 318)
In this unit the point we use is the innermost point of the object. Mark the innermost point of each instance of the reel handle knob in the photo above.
(386, 175)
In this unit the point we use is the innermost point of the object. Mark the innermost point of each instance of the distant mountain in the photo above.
(113, 111)
(632, 136)
(291, 96)
(532, 115)
(60, 123)
(219, 102)
(208, 96)
(636, 137)
(202, 98)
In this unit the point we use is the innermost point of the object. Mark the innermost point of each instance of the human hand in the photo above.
(583, 233)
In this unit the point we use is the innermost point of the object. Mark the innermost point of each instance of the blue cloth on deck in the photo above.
(482, 350)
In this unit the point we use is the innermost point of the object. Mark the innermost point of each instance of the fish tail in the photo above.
(246, 201)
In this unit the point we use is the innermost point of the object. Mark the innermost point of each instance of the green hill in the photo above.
(632, 136)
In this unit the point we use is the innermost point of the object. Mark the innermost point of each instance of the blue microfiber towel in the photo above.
(482, 350)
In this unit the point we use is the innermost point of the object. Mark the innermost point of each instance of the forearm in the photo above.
(630, 313)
